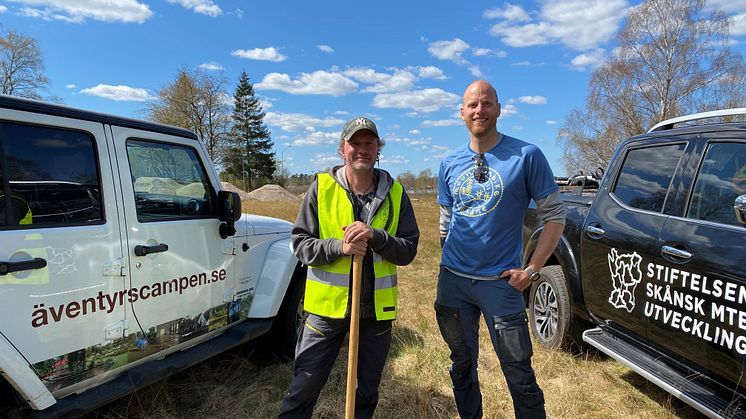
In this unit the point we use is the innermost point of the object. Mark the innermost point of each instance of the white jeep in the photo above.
(122, 261)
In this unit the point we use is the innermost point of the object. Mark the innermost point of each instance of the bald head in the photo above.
(480, 111)
(480, 86)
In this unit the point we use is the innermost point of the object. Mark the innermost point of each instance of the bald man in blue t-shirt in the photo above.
(484, 189)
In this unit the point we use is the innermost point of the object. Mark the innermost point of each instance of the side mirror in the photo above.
(229, 206)
(229, 211)
(739, 206)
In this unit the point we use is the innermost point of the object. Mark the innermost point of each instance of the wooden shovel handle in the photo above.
(357, 273)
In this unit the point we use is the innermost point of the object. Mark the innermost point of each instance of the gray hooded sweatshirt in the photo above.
(399, 249)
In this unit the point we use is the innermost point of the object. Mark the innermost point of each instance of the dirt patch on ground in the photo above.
(265, 193)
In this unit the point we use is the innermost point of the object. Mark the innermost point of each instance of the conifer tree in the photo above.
(250, 156)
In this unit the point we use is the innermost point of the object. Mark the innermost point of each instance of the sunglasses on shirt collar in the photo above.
(482, 170)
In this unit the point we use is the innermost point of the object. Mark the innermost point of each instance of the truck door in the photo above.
(701, 311)
(181, 270)
(621, 232)
(61, 264)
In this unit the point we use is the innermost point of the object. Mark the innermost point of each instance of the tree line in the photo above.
(673, 57)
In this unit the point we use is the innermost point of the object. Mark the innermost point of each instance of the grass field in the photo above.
(243, 384)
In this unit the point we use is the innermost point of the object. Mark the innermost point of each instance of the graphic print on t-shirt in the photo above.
(475, 199)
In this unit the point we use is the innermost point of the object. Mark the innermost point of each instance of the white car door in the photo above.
(61, 282)
(181, 270)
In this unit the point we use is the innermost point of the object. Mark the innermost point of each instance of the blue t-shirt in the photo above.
(485, 234)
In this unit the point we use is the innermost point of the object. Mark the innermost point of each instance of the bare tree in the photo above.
(672, 59)
(198, 102)
(22, 66)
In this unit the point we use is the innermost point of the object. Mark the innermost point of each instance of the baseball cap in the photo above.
(356, 124)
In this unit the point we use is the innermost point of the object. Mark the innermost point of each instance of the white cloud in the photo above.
(318, 138)
(485, 52)
(325, 48)
(508, 110)
(533, 100)
(510, 12)
(295, 122)
(119, 93)
(410, 142)
(70, 86)
(578, 24)
(126, 11)
(441, 123)
(522, 64)
(394, 160)
(427, 100)
(366, 75)
(317, 83)
(382, 83)
(322, 160)
(449, 50)
(263, 54)
(211, 66)
(590, 59)
(475, 71)
(3, 9)
(728, 6)
(431, 72)
(738, 27)
(551, 122)
(414, 132)
(204, 7)
(401, 80)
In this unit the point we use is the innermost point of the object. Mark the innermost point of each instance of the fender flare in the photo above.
(17, 371)
(278, 270)
(564, 256)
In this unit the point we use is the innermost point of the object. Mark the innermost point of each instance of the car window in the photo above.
(49, 177)
(721, 179)
(169, 182)
(643, 185)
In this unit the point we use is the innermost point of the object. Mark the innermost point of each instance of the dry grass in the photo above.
(242, 384)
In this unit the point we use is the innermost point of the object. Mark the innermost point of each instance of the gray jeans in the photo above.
(458, 306)
(318, 346)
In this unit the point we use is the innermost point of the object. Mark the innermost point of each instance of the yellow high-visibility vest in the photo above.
(327, 286)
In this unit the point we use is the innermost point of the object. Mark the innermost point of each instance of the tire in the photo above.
(551, 319)
(281, 339)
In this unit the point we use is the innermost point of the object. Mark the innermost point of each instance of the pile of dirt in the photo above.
(232, 188)
(265, 193)
(272, 193)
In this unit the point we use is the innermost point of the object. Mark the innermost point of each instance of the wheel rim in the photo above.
(546, 311)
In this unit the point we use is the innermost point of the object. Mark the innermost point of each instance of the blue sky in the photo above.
(315, 64)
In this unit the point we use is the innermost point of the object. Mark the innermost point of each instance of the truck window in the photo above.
(169, 182)
(48, 177)
(721, 179)
(644, 185)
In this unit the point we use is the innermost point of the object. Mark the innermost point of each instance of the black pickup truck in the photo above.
(651, 268)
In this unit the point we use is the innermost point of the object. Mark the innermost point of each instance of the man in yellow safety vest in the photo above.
(354, 209)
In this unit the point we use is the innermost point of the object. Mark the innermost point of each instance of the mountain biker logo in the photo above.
(625, 276)
(475, 199)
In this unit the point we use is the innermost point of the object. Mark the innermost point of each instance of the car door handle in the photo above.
(141, 250)
(677, 253)
(26, 265)
(594, 232)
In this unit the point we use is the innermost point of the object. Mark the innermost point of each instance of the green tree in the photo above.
(672, 59)
(196, 101)
(22, 67)
(250, 155)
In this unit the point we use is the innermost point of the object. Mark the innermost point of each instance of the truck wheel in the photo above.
(284, 333)
(552, 321)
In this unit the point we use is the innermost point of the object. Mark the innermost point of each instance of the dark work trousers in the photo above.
(458, 305)
(318, 346)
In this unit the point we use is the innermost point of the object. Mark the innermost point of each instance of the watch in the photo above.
(532, 274)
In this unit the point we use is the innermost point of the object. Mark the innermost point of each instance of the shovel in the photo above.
(357, 271)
